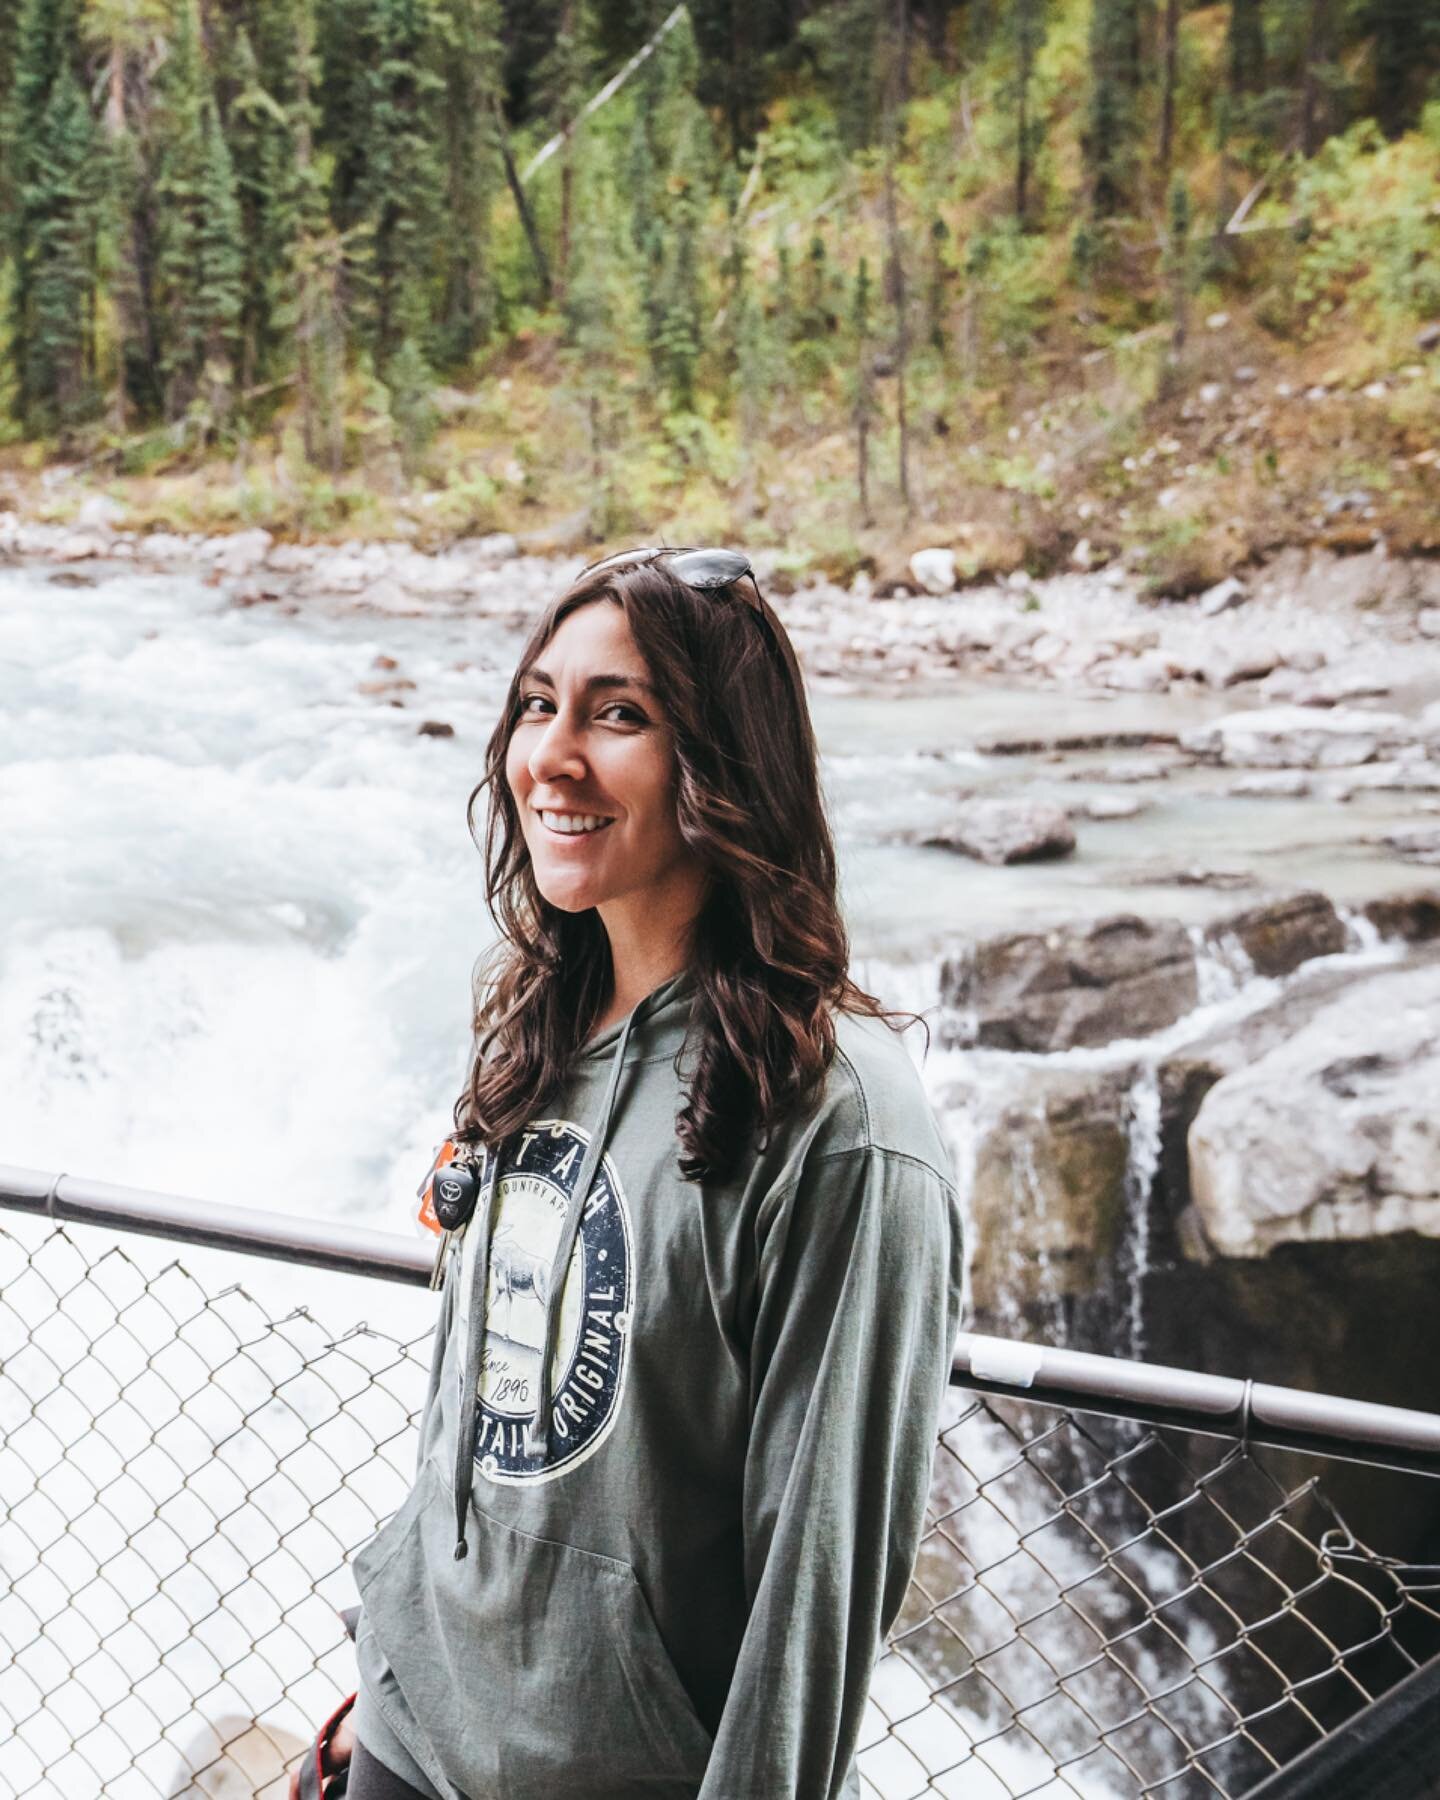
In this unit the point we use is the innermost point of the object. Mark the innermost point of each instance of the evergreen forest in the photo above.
(814, 272)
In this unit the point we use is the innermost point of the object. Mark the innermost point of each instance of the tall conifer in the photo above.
(200, 256)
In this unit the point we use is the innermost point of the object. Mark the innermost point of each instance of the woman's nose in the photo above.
(556, 751)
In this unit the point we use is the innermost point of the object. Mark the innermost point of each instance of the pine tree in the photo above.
(200, 259)
(896, 63)
(1112, 125)
(671, 151)
(1027, 25)
(52, 216)
(391, 185)
(470, 34)
(220, 284)
(57, 370)
(1179, 265)
(937, 284)
(863, 410)
(309, 302)
(846, 41)
(1404, 59)
(1245, 47)
(124, 33)
(262, 152)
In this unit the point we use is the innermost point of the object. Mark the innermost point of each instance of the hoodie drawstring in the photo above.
(474, 1276)
(474, 1279)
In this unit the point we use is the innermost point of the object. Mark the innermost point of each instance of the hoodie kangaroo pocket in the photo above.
(535, 1670)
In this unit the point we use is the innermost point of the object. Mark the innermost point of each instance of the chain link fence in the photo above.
(1099, 1608)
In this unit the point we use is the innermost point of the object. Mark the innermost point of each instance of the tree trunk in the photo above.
(522, 206)
(1317, 44)
(1169, 55)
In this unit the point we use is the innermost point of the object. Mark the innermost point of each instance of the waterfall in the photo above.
(1361, 934)
(1222, 966)
(1142, 1163)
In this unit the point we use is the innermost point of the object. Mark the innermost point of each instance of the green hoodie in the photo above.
(678, 1589)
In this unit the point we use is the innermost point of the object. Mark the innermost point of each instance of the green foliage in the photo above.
(1012, 278)
(298, 216)
(844, 39)
(1368, 234)
(411, 383)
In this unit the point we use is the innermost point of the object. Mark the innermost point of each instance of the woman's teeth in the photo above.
(573, 823)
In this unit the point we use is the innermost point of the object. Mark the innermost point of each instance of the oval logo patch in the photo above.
(532, 1193)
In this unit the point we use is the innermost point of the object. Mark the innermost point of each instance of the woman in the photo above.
(677, 1442)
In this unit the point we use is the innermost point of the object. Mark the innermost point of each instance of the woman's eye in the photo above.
(627, 714)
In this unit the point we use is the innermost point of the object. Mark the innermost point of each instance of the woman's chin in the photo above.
(569, 896)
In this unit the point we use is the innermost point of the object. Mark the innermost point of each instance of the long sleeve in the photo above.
(857, 1307)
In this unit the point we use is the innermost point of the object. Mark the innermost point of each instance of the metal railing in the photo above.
(1130, 1581)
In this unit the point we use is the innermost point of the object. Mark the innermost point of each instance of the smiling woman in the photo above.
(701, 1256)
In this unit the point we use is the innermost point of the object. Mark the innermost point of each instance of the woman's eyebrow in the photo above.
(596, 683)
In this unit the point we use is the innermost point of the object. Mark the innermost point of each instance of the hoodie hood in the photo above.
(654, 1028)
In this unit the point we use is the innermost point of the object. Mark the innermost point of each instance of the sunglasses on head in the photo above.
(710, 570)
(703, 569)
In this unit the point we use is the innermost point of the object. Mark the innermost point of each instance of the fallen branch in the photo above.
(612, 86)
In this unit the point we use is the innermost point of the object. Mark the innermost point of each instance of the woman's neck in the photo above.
(647, 947)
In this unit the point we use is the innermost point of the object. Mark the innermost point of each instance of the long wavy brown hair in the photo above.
(769, 953)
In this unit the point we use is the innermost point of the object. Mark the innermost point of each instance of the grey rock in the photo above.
(1332, 1134)
(1417, 844)
(1114, 806)
(1220, 598)
(1145, 674)
(98, 512)
(241, 552)
(1047, 1205)
(1413, 917)
(934, 570)
(1229, 664)
(1007, 831)
(1298, 737)
(1278, 935)
(1282, 784)
(1122, 977)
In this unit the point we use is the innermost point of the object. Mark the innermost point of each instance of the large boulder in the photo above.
(1122, 977)
(1331, 1134)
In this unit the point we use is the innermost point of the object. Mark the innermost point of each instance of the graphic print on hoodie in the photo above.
(534, 1189)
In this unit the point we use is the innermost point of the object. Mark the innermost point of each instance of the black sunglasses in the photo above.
(709, 571)
(704, 569)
